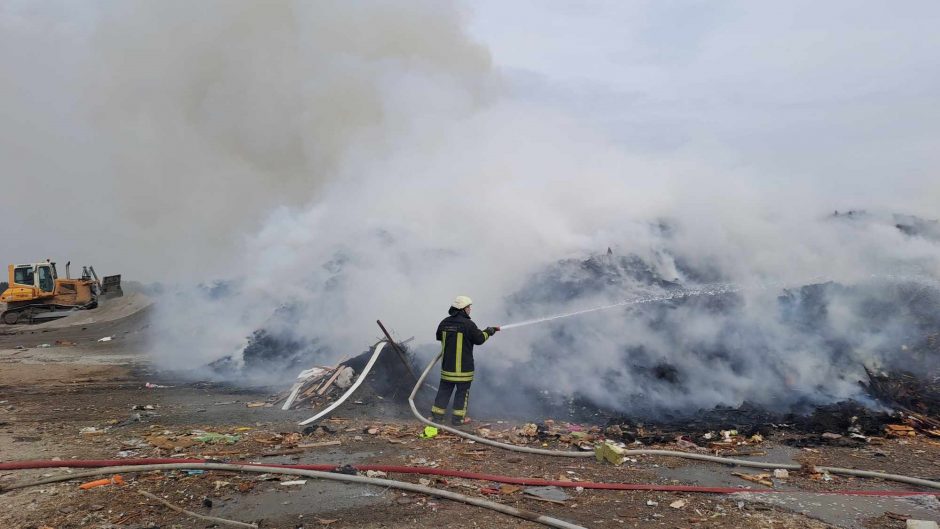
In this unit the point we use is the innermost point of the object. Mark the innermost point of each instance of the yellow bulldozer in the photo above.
(36, 293)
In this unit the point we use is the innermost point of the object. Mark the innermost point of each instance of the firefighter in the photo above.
(457, 334)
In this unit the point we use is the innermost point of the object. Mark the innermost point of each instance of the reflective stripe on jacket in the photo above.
(458, 334)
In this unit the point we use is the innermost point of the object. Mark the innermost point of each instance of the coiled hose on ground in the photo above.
(670, 453)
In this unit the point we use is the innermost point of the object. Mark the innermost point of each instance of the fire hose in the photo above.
(388, 483)
(428, 471)
(669, 453)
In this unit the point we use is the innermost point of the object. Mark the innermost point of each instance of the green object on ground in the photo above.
(612, 453)
(218, 438)
(429, 432)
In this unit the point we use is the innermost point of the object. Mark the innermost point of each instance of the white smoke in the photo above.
(361, 161)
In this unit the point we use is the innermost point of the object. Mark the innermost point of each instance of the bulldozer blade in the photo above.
(111, 287)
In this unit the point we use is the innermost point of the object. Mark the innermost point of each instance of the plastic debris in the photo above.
(345, 378)
(91, 430)
(685, 442)
(106, 339)
(921, 524)
(113, 480)
(376, 474)
(546, 493)
(678, 504)
(294, 482)
(651, 503)
(429, 432)
(781, 473)
(148, 385)
(43, 346)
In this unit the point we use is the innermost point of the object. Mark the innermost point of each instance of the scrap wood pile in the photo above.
(917, 399)
(316, 384)
(386, 376)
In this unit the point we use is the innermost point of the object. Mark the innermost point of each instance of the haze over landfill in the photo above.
(469, 263)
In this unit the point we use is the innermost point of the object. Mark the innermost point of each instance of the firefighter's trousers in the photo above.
(461, 400)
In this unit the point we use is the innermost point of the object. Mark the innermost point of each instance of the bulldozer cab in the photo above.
(41, 276)
(24, 275)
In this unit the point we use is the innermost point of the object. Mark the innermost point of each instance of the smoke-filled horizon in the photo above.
(337, 163)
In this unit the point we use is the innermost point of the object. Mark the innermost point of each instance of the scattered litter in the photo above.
(376, 474)
(195, 472)
(678, 504)
(685, 442)
(91, 430)
(144, 407)
(763, 479)
(106, 339)
(781, 473)
(217, 438)
(553, 494)
(148, 385)
(319, 444)
(424, 481)
(651, 503)
(255, 404)
(294, 482)
(528, 430)
(113, 480)
(44, 346)
(168, 442)
(921, 524)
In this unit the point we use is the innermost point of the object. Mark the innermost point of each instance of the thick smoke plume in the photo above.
(301, 169)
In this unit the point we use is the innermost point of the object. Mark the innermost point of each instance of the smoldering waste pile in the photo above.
(857, 339)
(863, 340)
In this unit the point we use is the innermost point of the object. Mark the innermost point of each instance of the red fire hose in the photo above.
(98, 463)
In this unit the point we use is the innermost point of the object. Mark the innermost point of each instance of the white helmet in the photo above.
(461, 302)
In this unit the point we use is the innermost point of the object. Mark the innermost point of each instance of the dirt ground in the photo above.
(66, 395)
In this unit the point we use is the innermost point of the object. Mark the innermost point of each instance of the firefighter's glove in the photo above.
(492, 330)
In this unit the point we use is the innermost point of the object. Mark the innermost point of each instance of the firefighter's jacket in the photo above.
(458, 334)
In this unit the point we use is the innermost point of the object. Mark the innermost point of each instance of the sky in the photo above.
(834, 99)
(838, 96)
